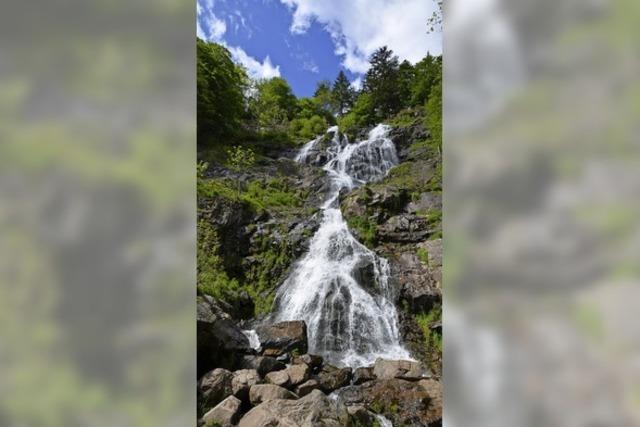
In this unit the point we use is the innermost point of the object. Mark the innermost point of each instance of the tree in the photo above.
(240, 159)
(343, 94)
(381, 82)
(406, 78)
(220, 99)
(426, 73)
(434, 113)
(273, 103)
(323, 96)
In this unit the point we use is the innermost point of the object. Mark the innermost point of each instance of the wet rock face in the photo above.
(220, 341)
(283, 337)
(315, 409)
(401, 401)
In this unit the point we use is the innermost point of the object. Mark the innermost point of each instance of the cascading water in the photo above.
(340, 288)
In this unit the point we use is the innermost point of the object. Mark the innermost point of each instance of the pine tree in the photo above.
(343, 94)
(382, 82)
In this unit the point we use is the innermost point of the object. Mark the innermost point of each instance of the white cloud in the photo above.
(311, 66)
(255, 68)
(359, 27)
(357, 83)
(209, 27)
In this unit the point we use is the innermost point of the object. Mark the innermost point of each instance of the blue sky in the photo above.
(306, 41)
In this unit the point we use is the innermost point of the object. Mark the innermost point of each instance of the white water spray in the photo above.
(340, 288)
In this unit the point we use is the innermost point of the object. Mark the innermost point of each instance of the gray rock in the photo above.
(283, 337)
(262, 364)
(362, 375)
(279, 378)
(242, 381)
(311, 360)
(403, 369)
(219, 339)
(214, 387)
(226, 413)
(262, 392)
(307, 387)
(426, 202)
(332, 378)
(298, 373)
(404, 403)
(315, 409)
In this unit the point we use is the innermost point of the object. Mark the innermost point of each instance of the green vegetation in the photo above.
(423, 255)
(366, 229)
(239, 160)
(221, 85)
(233, 109)
(432, 339)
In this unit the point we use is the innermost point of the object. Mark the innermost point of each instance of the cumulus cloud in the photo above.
(211, 28)
(359, 27)
(255, 68)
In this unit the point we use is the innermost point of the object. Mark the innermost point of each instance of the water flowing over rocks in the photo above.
(341, 344)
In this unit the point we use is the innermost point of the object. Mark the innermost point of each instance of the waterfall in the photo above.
(339, 287)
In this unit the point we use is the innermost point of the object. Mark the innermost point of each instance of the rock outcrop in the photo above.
(220, 341)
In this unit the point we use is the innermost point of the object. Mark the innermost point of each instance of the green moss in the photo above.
(423, 255)
(366, 229)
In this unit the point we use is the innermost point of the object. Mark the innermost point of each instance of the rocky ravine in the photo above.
(280, 384)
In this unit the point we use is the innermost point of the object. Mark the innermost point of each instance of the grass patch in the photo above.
(261, 195)
(423, 255)
(366, 229)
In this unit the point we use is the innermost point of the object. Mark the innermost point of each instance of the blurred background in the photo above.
(542, 200)
(97, 213)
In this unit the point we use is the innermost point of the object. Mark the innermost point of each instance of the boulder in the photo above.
(307, 387)
(214, 387)
(332, 378)
(404, 369)
(262, 364)
(279, 378)
(225, 414)
(242, 381)
(220, 341)
(298, 373)
(404, 403)
(360, 416)
(311, 360)
(362, 375)
(262, 392)
(315, 409)
(283, 337)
